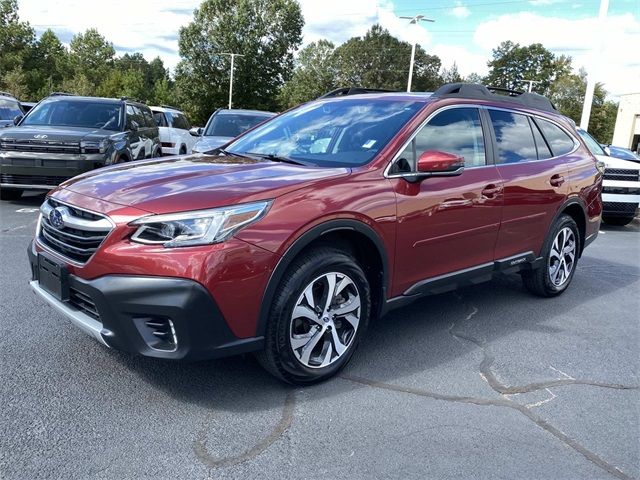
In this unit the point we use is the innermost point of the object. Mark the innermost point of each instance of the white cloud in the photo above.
(618, 64)
(466, 61)
(461, 11)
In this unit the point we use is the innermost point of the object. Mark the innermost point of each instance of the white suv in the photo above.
(620, 186)
(174, 130)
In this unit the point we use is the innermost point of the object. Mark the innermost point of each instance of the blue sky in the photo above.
(464, 31)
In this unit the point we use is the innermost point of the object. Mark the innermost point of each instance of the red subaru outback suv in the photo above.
(291, 238)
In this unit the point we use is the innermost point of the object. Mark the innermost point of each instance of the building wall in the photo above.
(627, 121)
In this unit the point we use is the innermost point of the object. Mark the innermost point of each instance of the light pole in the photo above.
(233, 57)
(591, 81)
(414, 21)
(531, 82)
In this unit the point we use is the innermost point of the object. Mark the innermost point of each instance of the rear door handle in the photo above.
(556, 180)
(491, 190)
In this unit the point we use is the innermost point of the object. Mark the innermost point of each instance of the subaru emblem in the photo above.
(55, 218)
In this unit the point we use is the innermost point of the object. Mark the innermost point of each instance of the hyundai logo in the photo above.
(40, 136)
(55, 218)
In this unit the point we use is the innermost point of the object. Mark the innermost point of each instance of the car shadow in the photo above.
(406, 342)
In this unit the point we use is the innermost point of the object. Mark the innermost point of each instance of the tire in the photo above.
(550, 279)
(617, 221)
(10, 194)
(183, 150)
(335, 336)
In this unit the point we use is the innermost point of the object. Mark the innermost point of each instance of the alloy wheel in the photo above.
(562, 257)
(325, 320)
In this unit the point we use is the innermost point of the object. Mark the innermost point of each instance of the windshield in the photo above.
(344, 132)
(9, 109)
(76, 113)
(593, 146)
(231, 124)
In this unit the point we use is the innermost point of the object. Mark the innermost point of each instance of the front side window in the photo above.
(9, 109)
(341, 132)
(75, 113)
(160, 119)
(513, 137)
(558, 140)
(457, 131)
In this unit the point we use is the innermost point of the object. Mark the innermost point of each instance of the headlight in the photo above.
(94, 146)
(199, 227)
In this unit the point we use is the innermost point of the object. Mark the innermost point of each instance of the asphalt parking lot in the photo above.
(486, 382)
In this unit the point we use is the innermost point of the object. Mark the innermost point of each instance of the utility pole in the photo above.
(591, 81)
(531, 82)
(233, 58)
(414, 21)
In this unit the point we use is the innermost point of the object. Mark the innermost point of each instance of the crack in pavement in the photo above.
(487, 374)
(203, 454)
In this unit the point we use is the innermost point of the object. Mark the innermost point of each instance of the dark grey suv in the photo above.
(66, 135)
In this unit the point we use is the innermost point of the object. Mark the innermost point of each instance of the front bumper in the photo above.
(118, 309)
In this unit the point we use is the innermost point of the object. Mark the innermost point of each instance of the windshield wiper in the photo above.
(278, 158)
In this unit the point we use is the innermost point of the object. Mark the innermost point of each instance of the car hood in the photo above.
(208, 143)
(613, 162)
(195, 182)
(61, 134)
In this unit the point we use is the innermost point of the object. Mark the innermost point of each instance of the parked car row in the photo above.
(65, 135)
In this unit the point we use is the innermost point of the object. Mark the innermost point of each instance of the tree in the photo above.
(51, 61)
(266, 32)
(16, 42)
(315, 74)
(380, 60)
(15, 81)
(451, 75)
(91, 55)
(512, 64)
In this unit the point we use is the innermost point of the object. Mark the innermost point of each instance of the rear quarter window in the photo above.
(559, 141)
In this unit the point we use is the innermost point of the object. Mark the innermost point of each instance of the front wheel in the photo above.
(560, 252)
(617, 221)
(318, 315)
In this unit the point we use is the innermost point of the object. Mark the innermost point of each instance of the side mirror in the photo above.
(436, 163)
(17, 118)
(607, 150)
(196, 131)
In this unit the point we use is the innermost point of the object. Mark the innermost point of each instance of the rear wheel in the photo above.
(183, 150)
(617, 221)
(318, 315)
(10, 194)
(560, 253)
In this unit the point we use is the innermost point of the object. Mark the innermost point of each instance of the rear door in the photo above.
(446, 224)
(535, 182)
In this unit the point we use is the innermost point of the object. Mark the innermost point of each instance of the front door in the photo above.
(446, 224)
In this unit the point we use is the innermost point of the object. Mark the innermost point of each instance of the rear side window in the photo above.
(513, 136)
(180, 121)
(148, 117)
(457, 131)
(558, 140)
(543, 149)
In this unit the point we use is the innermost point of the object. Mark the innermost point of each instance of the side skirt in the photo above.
(463, 278)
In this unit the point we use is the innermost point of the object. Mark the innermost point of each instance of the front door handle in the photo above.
(556, 180)
(491, 190)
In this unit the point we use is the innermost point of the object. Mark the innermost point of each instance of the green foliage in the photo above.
(267, 32)
(451, 75)
(380, 60)
(512, 64)
(15, 82)
(316, 73)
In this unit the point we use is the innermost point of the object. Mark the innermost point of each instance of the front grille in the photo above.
(32, 180)
(79, 237)
(619, 207)
(83, 302)
(46, 146)
(621, 190)
(621, 174)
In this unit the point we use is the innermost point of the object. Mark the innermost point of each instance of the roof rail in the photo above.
(130, 99)
(341, 92)
(7, 94)
(170, 106)
(480, 92)
(61, 94)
